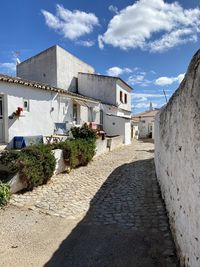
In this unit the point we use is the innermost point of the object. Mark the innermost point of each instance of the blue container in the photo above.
(19, 142)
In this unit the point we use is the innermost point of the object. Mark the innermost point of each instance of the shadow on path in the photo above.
(126, 225)
(149, 151)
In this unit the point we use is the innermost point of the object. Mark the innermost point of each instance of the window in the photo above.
(101, 118)
(75, 112)
(90, 114)
(25, 104)
(125, 98)
(1, 107)
(121, 96)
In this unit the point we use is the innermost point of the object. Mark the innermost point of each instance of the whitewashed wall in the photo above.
(124, 90)
(97, 87)
(88, 115)
(54, 66)
(144, 124)
(45, 109)
(114, 125)
(67, 69)
(40, 68)
(104, 88)
(177, 159)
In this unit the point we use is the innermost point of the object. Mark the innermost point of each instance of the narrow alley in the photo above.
(108, 214)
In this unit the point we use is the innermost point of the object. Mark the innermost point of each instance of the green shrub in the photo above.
(9, 158)
(77, 152)
(4, 194)
(86, 150)
(83, 132)
(69, 153)
(35, 164)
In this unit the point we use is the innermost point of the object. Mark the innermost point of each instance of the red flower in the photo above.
(18, 111)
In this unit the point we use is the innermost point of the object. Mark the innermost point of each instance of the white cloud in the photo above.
(9, 66)
(180, 77)
(141, 99)
(152, 25)
(88, 43)
(141, 95)
(116, 71)
(139, 78)
(145, 105)
(113, 9)
(162, 81)
(70, 24)
(175, 38)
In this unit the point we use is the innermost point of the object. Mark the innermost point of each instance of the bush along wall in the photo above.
(77, 152)
(4, 194)
(83, 132)
(36, 164)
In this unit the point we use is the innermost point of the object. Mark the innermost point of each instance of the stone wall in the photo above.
(177, 159)
(108, 144)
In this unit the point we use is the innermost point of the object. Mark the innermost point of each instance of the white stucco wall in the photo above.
(68, 67)
(89, 115)
(54, 66)
(40, 68)
(135, 133)
(143, 129)
(124, 90)
(108, 109)
(114, 125)
(45, 109)
(144, 125)
(177, 154)
(106, 89)
(98, 87)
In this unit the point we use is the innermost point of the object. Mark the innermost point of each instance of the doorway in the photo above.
(2, 119)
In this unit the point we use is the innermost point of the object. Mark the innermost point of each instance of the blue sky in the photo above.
(149, 44)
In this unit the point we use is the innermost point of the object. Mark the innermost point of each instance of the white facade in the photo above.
(58, 68)
(145, 122)
(145, 128)
(177, 154)
(45, 108)
(106, 89)
(116, 123)
(54, 66)
(115, 96)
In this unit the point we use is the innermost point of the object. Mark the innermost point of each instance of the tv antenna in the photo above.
(165, 95)
(16, 55)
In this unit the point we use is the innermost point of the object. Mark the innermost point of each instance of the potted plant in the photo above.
(18, 111)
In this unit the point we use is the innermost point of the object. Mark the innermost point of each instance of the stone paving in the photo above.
(122, 218)
(69, 195)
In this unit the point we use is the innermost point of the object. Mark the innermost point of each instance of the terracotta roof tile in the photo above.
(43, 86)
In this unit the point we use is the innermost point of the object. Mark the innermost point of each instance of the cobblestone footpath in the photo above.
(122, 218)
(70, 194)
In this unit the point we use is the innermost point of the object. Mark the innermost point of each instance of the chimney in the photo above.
(150, 106)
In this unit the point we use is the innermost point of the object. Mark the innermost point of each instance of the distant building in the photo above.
(144, 123)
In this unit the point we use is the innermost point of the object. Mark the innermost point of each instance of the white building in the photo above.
(56, 87)
(143, 123)
(115, 97)
(54, 66)
(43, 107)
